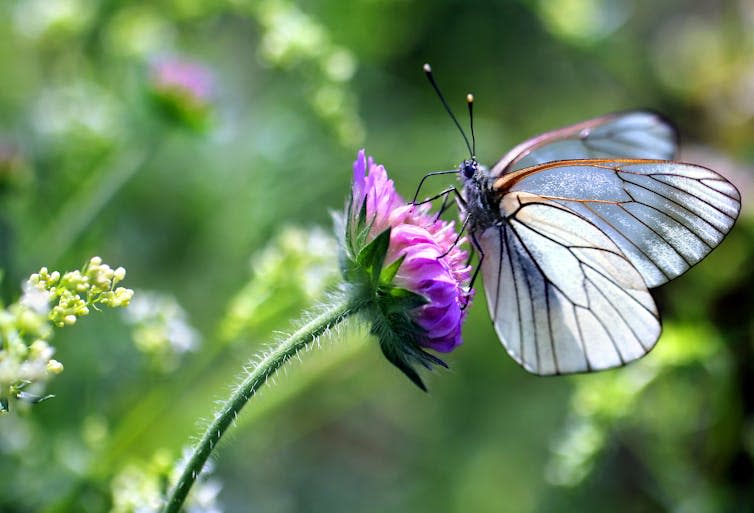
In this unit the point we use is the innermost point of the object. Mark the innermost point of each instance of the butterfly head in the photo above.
(469, 168)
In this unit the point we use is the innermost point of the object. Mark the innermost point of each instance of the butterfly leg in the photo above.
(458, 238)
(477, 247)
(446, 192)
(443, 207)
(433, 173)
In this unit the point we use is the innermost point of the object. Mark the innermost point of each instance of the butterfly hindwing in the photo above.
(664, 216)
(635, 134)
(562, 296)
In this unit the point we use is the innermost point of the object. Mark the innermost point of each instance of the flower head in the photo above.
(411, 266)
(183, 89)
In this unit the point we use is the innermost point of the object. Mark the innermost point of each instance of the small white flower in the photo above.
(161, 328)
(35, 299)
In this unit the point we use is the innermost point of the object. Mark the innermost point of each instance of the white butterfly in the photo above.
(575, 225)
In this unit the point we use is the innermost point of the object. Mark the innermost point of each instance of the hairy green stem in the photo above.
(338, 310)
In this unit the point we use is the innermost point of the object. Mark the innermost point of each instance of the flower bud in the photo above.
(54, 367)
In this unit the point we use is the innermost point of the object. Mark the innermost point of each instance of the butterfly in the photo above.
(574, 226)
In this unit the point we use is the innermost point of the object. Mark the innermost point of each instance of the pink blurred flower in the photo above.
(183, 89)
(183, 76)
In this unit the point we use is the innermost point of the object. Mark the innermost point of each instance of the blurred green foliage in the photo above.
(90, 164)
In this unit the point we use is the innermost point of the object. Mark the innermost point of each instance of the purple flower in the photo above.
(433, 265)
(184, 89)
(183, 77)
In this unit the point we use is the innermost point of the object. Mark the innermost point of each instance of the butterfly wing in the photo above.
(664, 216)
(636, 134)
(562, 296)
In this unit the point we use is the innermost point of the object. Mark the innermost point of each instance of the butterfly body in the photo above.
(481, 198)
(574, 226)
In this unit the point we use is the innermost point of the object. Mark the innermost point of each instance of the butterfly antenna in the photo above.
(470, 103)
(428, 72)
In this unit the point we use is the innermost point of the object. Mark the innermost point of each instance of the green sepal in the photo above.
(396, 299)
(404, 354)
(396, 358)
(398, 336)
(363, 212)
(372, 256)
(356, 230)
(389, 272)
(362, 229)
(343, 225)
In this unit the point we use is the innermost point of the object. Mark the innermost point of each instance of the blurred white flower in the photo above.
(583, 21)
(36, 18)
(141, 487)
(78, 107)
(35, 299)
(161, 328)
(139, 30)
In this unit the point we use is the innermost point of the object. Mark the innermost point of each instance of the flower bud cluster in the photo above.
(75, 291)
(26, 326)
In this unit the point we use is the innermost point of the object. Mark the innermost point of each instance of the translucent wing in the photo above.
(664, 216)
(562, 296)
(636, 135)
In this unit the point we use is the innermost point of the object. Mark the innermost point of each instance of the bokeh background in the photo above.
(216, 195)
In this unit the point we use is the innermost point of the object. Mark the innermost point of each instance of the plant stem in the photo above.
(338, 310)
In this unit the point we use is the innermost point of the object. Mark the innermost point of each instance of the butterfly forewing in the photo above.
(663, 216)
(637, 134)
(562, 296)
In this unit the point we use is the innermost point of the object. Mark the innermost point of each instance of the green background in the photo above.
(300, 87)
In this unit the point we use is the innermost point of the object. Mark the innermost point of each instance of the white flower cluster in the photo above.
(161, 328)
(141, 488)
(26, 326)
